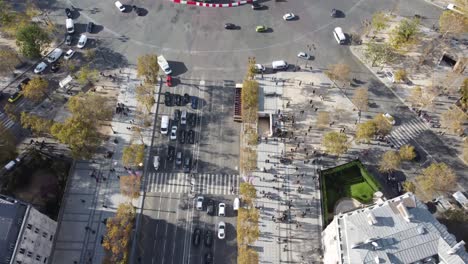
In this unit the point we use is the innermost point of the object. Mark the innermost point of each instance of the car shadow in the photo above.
(269, 30)
(97, 29)
(340, 14)
(142, 11)
(177, 67)
(237, 28)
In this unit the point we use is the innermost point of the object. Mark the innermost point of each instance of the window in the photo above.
(36, 230)
(38, 257)
(29, 254)
(28, 226)
(21, 251)
(44, 234)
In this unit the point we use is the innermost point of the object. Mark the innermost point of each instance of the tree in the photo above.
(249, 99)
(36, 89)
(464, 94)
(251, 71)
(87, 75)
(133, 155)
(248, 192)
(465, 151)
(247, 226)
(389, 162)
(90, 54)
(366, 131)
(407, 152)
(378, 53)
(453, 22)
(380, 21)
(90, 106)
(148, 68)
(382, 125)
(453, 119)
(130, 186)
(456, 215)
(323, 119)
(32, 40)
(119, 231)
(335, 143)
(145, 95)
(409, 186)
(247, 255)
(37, 124)
(438, 176)
(404, 32)
(8, 60)
(80, 135)
(401, 75)
(422, 97)
(248, 160)
(10, 110)
(7, 145)
(361, 99)
(339, 72)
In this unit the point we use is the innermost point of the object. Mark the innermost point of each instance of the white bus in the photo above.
(339, 35)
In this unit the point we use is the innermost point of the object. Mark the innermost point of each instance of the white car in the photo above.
(173, 133)
(221, 230)
(389, 75)
(222, 209)
(200, 203)
(120, 6)
(389, 118)
(289, 16)
(40, 67)
(54, 55)
(82, 41)
(303, 55)
(69, 54)
(259, 68)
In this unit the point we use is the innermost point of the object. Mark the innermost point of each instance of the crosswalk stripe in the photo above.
(401, 135)
(180, 183)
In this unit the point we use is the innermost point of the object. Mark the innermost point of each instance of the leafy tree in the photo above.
(7, 145)
(409, 186)
(407, 152)
(339, 72)
(437, 177)
(248, 192)
(130, 186)
(80, 135)
(248, 159)
(10, 110)
(361, 99)
(335, 143)
(247, 226)
(382, 125)
(32, 10)
(87, 75)
(133, 155)
(249, 99)
(380, 21)
(148, 68)
(453, 119)
(464, 94)
(456, 215)
(404, 32)
(390, 161)
(32, 40)
(422, 97)
(247, 255)
(145, 95)
(378, 53)
(465, 151)
(36, 89)
(37, 124)
(401, 75)
(119, 231)
(8, 60)
(251, 71)
(90, 54)
(323, 119)
(453, 22)
(90, 106)
(366, 131)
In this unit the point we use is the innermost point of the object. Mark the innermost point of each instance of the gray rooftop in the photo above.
(400, 230)
(11, 217)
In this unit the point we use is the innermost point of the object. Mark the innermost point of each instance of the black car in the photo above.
(90, 27)
(68, 12)
(194, 102)
(208, 238)
(178, 99)
(208, 258)
(191, 136)
(210, 211)
(229, 26)
(187, 164)
(192, 119)
(176, 115)
(22, 84)
(68, 40)
(334, 13)
(256, 6)
(196, 237)
(168, 99)
(170, 153)
(182, 137)
(55, 67)
(186, 99)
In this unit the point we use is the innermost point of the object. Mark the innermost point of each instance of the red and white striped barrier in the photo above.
(239, 3)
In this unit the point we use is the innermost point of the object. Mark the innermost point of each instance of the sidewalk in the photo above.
(88, 201)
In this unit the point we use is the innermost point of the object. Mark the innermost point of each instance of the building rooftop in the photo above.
(400, 230)
(11, 217)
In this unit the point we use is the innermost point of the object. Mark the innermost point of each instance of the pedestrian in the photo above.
(297, 168)
(316, 109)
(83, 201)
(298, 144)
(312, 106)
(310, 101)
(305, 133)
(300, 82)
(313, 92)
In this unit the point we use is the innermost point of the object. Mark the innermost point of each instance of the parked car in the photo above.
(229, 26)
(259, 68)
(221, 209)
(119, 6)
(14, 97)
(54, 55)
(289, 16)
(55, 67)
(389, 75)
(68, 12)
(173, 133)
(210, 207)
(208, 238)
(22, 84)
(182, 137)
(200, 203)
(256, 6)
(90, 27)
(179, 158)
(334, 13)
(170, 153)
(192, 119)
(186, 99)
(208, 258)
(167, 99)
(221, 230)
(389, 118)
(191, 136)
(82, 41)
(303, 55)
(40, 67)
(168, 81)
(194, 102)
(196, 237)
(178, 99)
(187, 164)
(69, 54)
(261, 28)
(68, 40)
(176, 115)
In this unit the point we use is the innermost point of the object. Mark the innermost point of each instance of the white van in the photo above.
(339, 35)
(236, 204)
(156, 162)
(279, 65)
(164, 124)
(183, 117)
(69, 25)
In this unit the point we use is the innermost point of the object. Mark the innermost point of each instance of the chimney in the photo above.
(404, 212)
(455, 248)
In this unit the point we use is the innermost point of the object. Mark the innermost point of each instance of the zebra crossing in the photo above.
(402, 134)
(6, 121)
(183, 182)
